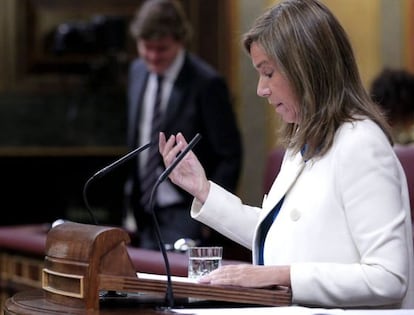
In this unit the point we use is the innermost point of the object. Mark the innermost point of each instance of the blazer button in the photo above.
(295, 214)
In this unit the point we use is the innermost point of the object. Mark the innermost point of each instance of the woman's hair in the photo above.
(311, 48)
(393, 90)
(159, 18)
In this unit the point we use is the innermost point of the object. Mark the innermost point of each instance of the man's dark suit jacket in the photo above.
(199, 103)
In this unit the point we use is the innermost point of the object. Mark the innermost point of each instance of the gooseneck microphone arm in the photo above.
(169, 293)
(106, 170)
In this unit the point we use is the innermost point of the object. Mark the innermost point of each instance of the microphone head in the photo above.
(57, 222)
(183, 244)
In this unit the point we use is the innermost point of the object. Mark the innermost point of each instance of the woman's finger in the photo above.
(180, 138)
(161, 142)
(168, 145)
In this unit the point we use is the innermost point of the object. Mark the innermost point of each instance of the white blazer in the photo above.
(344, 226)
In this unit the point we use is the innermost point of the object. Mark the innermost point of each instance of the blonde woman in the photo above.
(335, 226)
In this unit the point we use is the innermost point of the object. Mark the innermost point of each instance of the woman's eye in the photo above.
(268, 74)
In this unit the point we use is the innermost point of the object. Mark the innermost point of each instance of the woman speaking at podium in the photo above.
(335, 226)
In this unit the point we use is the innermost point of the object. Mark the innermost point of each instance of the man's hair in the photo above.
(160, 18)
(312, 50)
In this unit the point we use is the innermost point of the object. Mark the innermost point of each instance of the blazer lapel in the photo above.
(174, 103)
(181, 86)
(291, 169)
(289, 172)
(137, 91)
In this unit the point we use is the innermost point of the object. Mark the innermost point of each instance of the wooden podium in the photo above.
(83, 260)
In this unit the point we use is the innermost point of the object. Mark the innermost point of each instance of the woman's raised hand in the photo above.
(189, 173)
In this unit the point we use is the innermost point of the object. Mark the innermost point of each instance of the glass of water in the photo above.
(203, 260)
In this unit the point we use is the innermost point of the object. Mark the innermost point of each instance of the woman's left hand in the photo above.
(252, 276)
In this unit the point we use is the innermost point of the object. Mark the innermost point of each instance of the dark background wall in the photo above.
(62, 115)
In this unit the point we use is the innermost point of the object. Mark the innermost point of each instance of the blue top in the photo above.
(265, 226)
(267, 222)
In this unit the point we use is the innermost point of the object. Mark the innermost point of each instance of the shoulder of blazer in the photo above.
(137, 76)
(361, 131)
(137, 67)
(196, 68)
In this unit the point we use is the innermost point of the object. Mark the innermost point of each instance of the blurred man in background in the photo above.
(171, 90)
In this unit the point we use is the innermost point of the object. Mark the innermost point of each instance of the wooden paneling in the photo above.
(27, 27)
(409, 34)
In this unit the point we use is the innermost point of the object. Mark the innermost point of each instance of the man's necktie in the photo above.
(149, 174)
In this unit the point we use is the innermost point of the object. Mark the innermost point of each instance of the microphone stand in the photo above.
(106, 170)
(169, 295)
(100, 174)
(85, 200)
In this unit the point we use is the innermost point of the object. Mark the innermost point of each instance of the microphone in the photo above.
(106, 170)
(169, 291)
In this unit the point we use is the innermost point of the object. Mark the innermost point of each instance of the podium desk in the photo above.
(82, 262)
(33, 302)
(22, 251)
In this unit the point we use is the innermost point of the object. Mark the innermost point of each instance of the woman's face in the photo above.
(274, 86)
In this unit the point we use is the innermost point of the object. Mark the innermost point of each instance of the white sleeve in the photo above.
(224, 212)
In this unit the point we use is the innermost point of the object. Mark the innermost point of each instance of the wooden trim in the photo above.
(409, 35)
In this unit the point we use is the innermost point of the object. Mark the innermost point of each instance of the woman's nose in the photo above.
(262, 88)
(263, 91)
